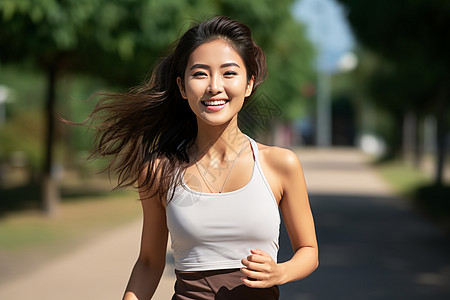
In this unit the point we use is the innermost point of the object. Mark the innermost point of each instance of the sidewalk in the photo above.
(372, 246)
(99, 270)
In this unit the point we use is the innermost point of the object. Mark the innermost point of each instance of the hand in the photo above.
(261, 269)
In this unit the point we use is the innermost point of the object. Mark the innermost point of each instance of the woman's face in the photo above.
(215, 82)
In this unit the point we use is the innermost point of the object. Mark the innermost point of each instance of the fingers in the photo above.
(257, 259)
(258, 256)
(254, 284)
(259, 269)
(255, 274)
(255, 279)
(256, 265)
(259, 251)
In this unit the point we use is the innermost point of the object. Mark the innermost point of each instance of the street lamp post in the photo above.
(327, 30)
(323, 127)
(4, 92)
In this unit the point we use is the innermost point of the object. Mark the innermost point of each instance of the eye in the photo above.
(199, 74)
(230, 73)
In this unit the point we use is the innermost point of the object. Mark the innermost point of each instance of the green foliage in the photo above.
(23, 133)
(411, 46)
(411, 40)
(119, 41)
(289, 54)
(75, 104)
(26, 89)
(24, 126)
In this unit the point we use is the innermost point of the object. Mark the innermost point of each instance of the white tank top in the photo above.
(211, 231)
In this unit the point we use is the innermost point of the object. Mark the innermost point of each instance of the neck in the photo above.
(219, 142)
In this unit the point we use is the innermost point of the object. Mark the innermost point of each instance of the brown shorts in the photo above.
(218, 285)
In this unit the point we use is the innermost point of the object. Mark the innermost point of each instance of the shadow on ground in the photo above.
(372, 247)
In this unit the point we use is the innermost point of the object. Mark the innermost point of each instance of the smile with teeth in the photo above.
(214, 102)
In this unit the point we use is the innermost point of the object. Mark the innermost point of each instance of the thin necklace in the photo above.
(226, 178)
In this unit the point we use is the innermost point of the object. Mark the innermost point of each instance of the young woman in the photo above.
(216, 190)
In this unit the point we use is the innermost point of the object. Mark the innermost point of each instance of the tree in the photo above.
(290, 56)
(120, 40)
(412, 39)
(97, 36)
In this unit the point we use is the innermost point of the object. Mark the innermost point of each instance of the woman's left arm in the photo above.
(299, 223)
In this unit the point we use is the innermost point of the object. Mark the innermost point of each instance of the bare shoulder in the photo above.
(146, 191)
(283, 161)
(145, 170)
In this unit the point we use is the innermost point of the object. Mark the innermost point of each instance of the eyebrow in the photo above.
(203, 66)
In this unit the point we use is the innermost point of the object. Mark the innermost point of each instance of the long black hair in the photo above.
(149, 129)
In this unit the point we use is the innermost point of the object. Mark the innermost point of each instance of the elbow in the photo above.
(151, 264)
(316, 263)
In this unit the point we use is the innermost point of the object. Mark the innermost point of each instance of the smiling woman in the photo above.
(226, 84)
(216, 190)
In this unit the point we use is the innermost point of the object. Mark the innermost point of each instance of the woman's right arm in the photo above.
(150, 265)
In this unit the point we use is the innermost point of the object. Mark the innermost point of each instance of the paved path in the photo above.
(99, 271)
(372, 246)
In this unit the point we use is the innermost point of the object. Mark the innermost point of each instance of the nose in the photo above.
(215, 85)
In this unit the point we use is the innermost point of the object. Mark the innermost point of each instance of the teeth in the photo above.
(215, 102)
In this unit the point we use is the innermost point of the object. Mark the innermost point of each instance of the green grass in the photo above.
(88, 209)
(402, 178)
(431, 200)
(77, 219)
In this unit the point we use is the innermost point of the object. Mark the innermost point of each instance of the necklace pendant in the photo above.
(226, 178)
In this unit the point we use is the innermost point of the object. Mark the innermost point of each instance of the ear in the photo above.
(249, 89)
(181, 87)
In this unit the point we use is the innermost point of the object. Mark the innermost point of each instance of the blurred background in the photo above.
(354, 86)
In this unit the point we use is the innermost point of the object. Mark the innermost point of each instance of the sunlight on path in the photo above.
(372, 246)
(99, 270)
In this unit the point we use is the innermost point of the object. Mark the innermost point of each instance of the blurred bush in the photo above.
(433, 200)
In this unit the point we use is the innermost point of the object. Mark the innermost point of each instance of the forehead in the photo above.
(215, 53)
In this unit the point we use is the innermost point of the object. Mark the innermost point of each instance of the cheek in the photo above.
(238, 87)
(194, 88)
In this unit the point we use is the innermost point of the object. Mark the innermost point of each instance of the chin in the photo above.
(215, 120)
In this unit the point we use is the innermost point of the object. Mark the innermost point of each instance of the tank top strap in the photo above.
(254, 148)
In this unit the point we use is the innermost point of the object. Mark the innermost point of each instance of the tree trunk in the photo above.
(418, 142)
(397, 135)
(442, 130)
(409, 135)
(50, 193)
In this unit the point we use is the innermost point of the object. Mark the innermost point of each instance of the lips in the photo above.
(215, 104)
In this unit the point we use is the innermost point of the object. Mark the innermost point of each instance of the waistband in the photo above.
(219, 285)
